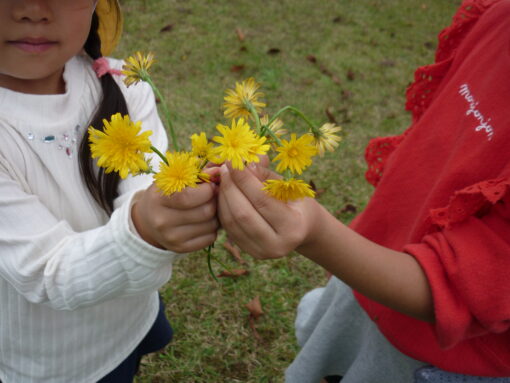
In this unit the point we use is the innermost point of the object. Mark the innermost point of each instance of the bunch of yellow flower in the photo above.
(121, 146)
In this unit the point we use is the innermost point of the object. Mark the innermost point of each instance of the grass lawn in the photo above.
(342, 60)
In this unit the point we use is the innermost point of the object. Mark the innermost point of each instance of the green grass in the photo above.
(371, 46)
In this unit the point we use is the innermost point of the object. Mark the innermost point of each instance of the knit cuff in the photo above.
(132, 244)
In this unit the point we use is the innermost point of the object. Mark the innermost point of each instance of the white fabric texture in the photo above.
(78, 291)
(338, 338)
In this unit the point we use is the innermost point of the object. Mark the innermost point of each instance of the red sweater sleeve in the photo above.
(467, 264)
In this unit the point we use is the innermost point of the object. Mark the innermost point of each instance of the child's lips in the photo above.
(33, 45)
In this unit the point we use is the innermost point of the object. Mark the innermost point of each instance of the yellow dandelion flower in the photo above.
(136, 68)
(326, 139)
(276, 126)
(257, 147)
(295, 154)
(237, 100)
(239, 144)
(183, 170)
(201, 147)
(121, 146)
(288, 190)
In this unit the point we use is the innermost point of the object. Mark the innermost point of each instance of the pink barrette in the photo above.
(101, 66)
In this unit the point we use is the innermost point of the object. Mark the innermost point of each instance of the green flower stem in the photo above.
(255, 115)
(160, 155)
(298, 113)
(166, 112)
(273, 136)
(209, 265)
(211, 258)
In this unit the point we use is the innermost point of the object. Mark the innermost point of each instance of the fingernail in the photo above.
(252, 165)
(223, 169)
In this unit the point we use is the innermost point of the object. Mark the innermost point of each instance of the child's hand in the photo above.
(259, 224)
(183, 222)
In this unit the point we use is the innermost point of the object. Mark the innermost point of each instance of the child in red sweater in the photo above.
(429, 258)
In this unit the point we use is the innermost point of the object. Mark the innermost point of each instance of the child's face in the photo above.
(37, 37)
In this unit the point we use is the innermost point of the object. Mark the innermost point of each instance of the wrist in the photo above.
(139, 226)
(317, 221)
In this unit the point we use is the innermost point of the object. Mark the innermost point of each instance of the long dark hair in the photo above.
(103, 187)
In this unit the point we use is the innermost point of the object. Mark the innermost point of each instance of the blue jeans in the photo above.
(158, 337)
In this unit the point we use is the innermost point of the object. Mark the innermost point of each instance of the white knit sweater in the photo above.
(77, 290)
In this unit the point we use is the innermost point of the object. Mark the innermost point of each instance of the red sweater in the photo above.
(443, 196)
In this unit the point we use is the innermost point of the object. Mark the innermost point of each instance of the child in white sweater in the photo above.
(82, 254)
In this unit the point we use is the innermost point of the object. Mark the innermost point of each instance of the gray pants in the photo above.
(338, 338)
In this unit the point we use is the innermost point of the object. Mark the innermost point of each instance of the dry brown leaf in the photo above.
(273, 51)
(233, 273)
(331, 116)
(167, 28)
(255, 308)
(240, 34)
(311, 58)
(346, 94)
(234, 251)
(349, 208)
(236, 68)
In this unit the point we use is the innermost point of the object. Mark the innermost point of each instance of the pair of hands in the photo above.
(259, 224)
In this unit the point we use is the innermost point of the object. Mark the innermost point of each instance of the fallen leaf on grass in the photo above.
(346, 94)
(167, 28)
(234, 251)
(429, 45)
(349, 208)
(236, 68)
(311, 58)
(233, 273)
(331, 116)
(240, 34)
(255, 308)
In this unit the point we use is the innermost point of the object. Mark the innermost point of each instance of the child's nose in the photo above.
(35, 11)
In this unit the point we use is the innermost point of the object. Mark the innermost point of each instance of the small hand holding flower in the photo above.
(258, 223)
(182, 222)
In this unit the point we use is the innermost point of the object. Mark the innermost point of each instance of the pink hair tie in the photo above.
(101, 66)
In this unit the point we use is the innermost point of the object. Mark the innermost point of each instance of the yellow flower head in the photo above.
(326, 139)
(201, 147)
(236, 101)
(183, 170)
(288, 190)
(295, 154)
(239, 144)
(120, 147)
(136, 68)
